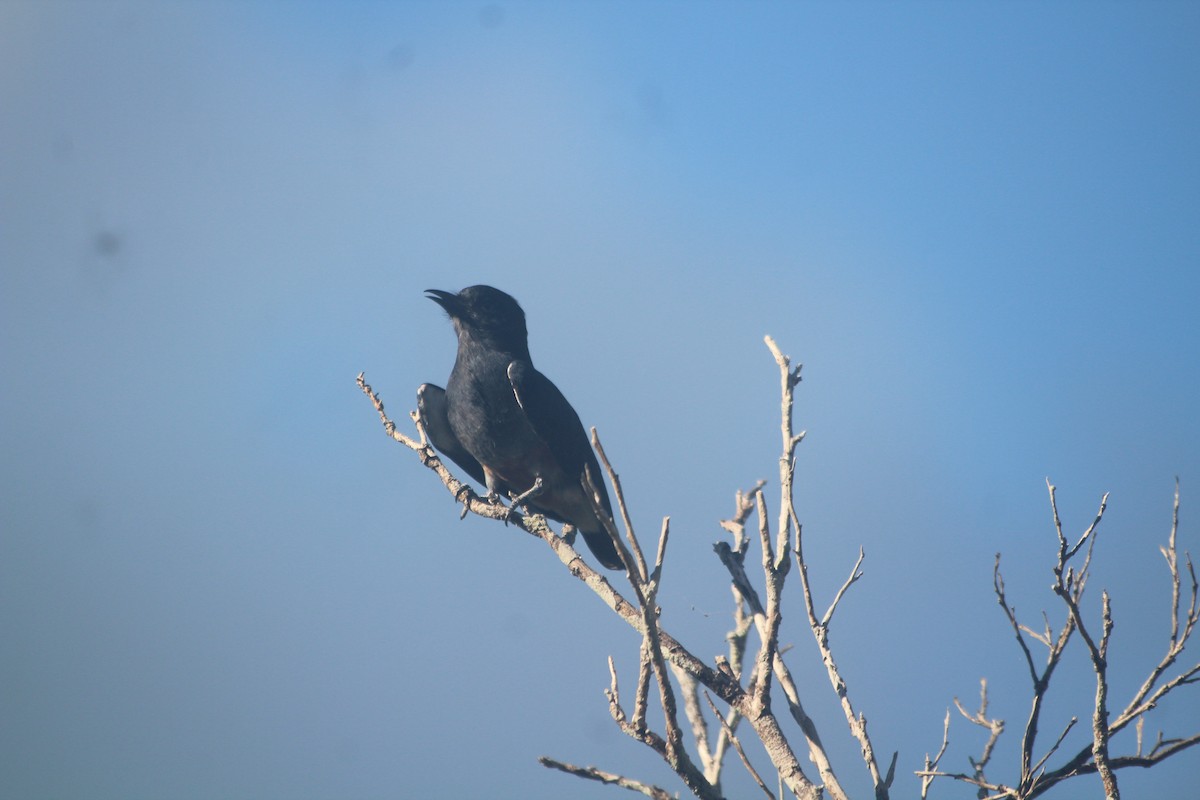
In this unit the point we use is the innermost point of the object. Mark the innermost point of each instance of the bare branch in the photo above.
(995, 727)
(749, 704)
(1070, 593)
(789, 378)
(613, 693)
(1011, 614)
(775, 567)
(1170, 552)
(855, 574)
(857, 722)
(710, 758)
(1037, 768)
(737, 745)
(741, 581)
(744, 593)
(774, 618)
(671, 747)
(816, 749)
(596, 774)
(641, 699)
(1080, 765)
(656, 573)
(1069, 584)
(931, 764)
(1146, 697)
(988, 791)
(620, 495)
(761, 608)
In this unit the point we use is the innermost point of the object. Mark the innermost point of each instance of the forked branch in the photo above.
(1070, 579)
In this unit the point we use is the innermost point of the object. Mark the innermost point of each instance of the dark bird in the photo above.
(506, 424)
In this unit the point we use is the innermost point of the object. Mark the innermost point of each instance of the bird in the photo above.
(506, 424)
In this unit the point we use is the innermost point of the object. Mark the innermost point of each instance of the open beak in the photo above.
(447, 300)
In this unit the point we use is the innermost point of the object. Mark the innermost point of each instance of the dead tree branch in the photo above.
(857, 722)
(1070, 580)
(745, 680)
(642, 616)
(748, 610)
(596, 774)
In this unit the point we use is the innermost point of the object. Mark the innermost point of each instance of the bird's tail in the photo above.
(602, 547)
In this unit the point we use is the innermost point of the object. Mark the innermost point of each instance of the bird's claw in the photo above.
(495, 499)
(531, 492)
(463, 495)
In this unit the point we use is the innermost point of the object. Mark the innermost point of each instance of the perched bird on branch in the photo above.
(506, 424)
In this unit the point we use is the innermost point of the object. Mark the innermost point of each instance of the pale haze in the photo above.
(976, 224)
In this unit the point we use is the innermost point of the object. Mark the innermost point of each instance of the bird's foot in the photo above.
(463, 495)
(532, 492)
(494, 498)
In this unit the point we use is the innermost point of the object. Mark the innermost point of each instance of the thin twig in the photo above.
(1037, 768)
(737, 745)
(1070, 590)
(995, 728)
(710, 758)
(931, 764)
(672, 749)
(615, 479)
(596, 774)
(855, 574)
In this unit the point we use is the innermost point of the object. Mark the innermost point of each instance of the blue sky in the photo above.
(975, 223)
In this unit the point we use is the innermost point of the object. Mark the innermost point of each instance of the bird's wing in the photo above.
(556, 423)
(431, 403)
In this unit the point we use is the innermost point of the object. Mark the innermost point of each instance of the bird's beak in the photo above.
(447, 300)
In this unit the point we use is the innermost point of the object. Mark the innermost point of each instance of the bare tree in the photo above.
(1070, 578)
(752, 687)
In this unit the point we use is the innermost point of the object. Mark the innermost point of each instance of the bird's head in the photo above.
(485, 314)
